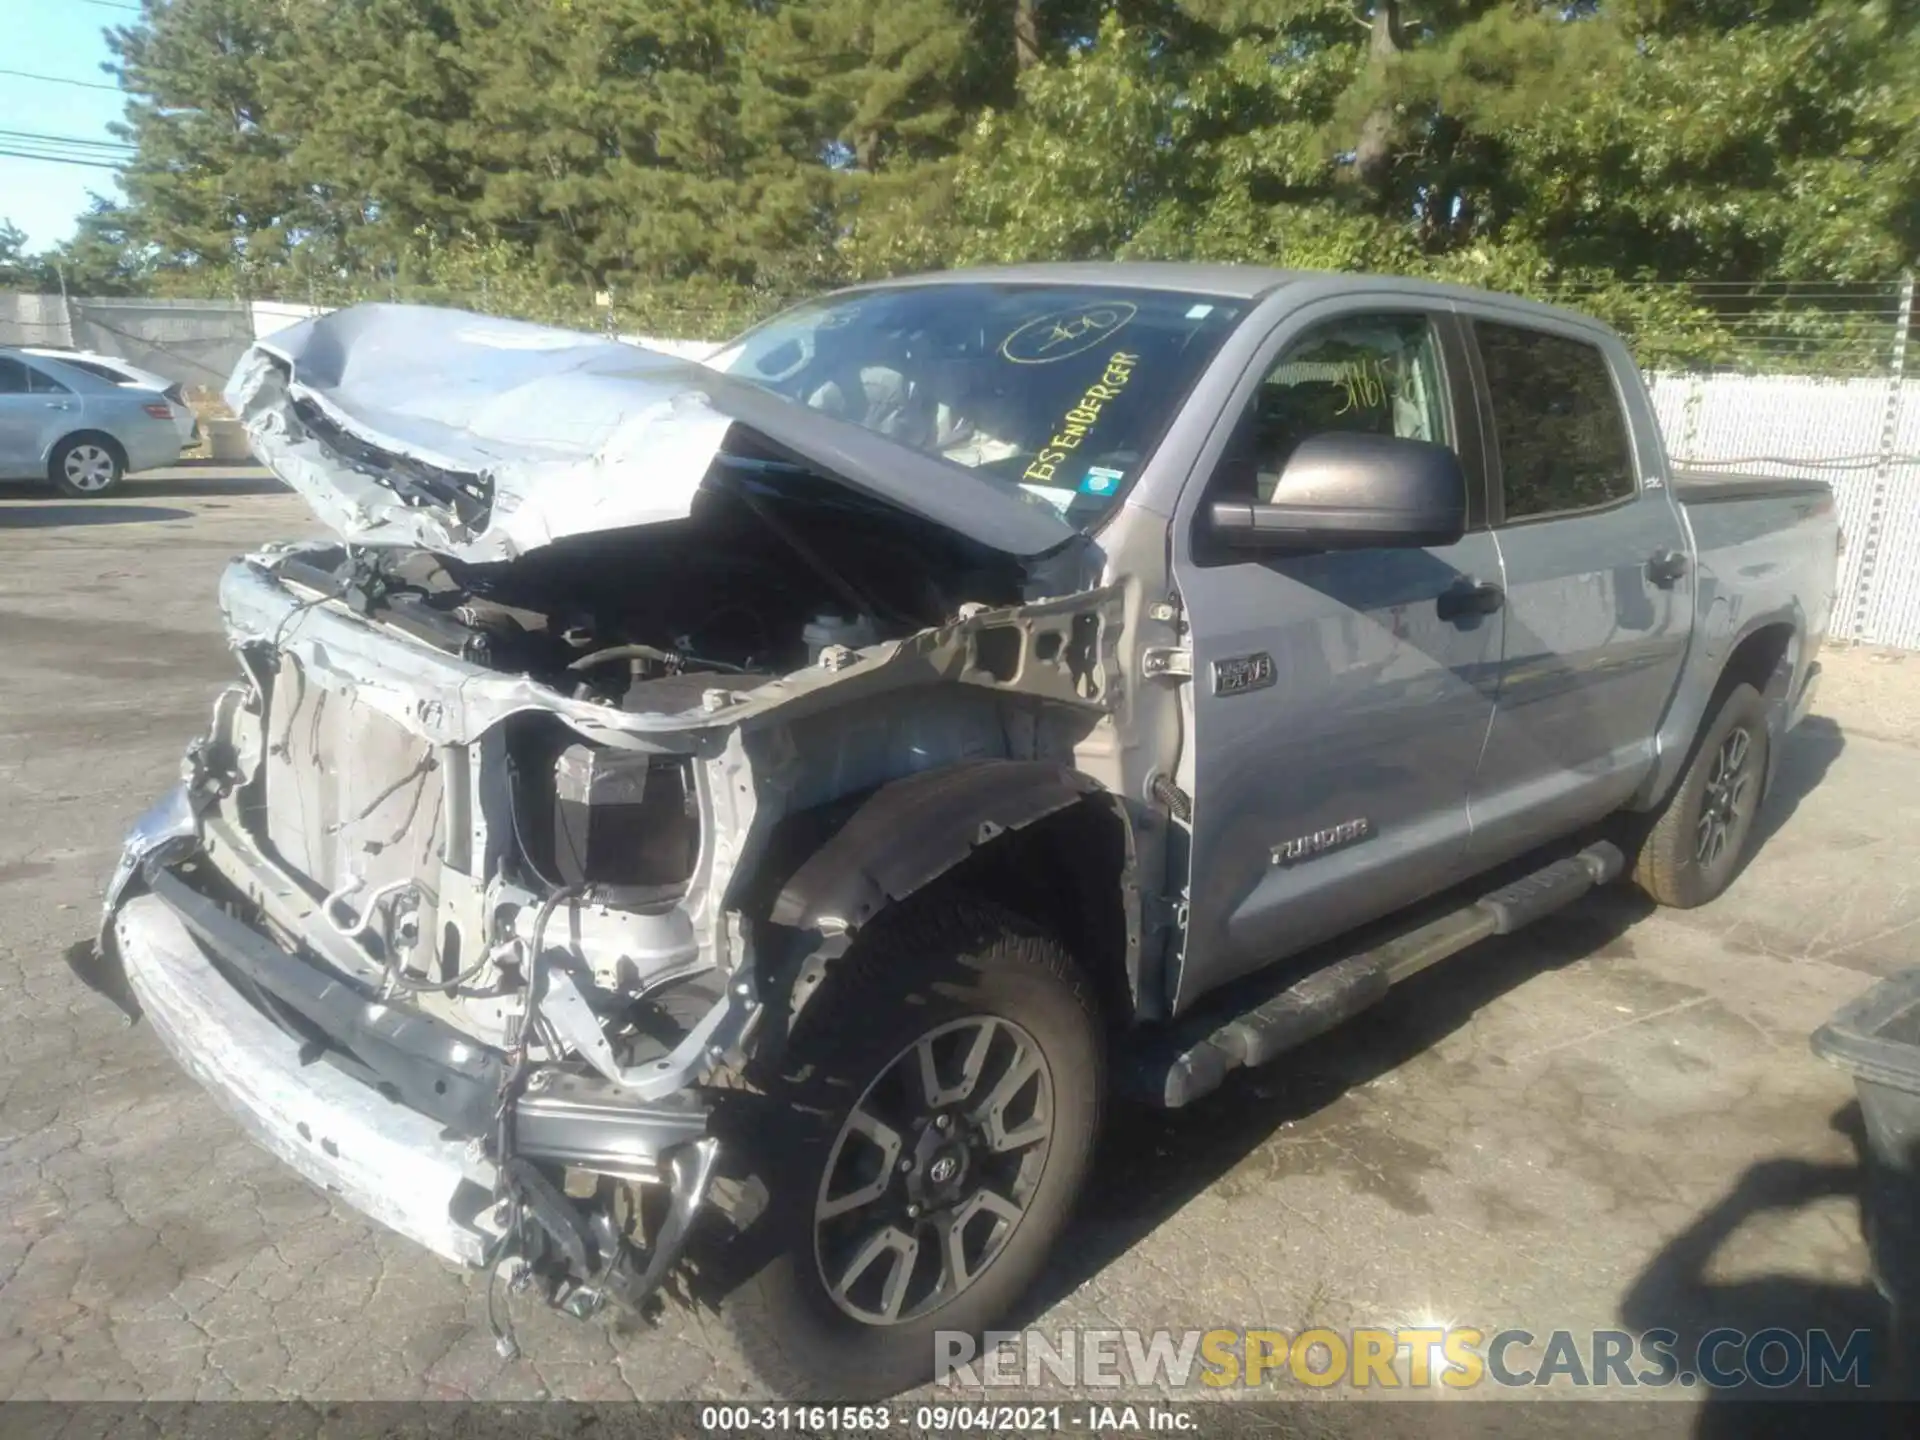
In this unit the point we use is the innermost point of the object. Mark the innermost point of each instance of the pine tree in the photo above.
(18, 269)
(704, 158)
(210, 183)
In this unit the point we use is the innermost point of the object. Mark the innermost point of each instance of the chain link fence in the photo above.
(1773, 378)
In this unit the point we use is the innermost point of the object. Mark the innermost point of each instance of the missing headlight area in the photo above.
(625, 823)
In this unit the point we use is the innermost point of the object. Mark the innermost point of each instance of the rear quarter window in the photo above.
(1563, 438)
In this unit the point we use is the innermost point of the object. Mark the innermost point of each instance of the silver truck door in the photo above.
(1339, 701)
(1599, 584)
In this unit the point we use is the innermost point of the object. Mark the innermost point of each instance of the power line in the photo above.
(60, 80)
(58, 160)
(112, 5)
(77, 142)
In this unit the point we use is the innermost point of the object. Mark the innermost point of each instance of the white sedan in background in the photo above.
(79, 431)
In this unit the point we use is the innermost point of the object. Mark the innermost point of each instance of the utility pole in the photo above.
(66, 305)
(1883, 472)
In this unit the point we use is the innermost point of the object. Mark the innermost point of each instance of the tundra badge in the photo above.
(1305, 847)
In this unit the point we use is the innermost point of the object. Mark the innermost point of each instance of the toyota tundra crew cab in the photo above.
(793, 793)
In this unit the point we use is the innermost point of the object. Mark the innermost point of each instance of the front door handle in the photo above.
(1665, 567)
(1470, 597)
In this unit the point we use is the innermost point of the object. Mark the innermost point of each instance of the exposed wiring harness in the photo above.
(512, 1080)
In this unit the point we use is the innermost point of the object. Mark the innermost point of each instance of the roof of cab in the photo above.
(1235, 282)
(1239, 282)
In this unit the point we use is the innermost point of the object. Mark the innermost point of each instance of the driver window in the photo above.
(1375, 374)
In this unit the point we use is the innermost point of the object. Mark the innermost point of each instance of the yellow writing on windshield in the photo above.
(1075, 424)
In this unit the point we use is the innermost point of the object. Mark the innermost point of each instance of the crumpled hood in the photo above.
(482, 439)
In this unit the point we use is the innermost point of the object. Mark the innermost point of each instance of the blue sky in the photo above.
(64, 39)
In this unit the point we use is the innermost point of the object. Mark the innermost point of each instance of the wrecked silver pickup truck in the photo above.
(791, 793)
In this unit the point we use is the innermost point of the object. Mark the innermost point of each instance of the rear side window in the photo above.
(99, 371)
(13, 376)
(1563, 438)
(42, 384)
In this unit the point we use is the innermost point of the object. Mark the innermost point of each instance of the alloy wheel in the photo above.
(1727, 803)
(933, 1170)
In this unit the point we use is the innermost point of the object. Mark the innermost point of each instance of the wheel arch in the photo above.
(1039, 837)
(1766, 655)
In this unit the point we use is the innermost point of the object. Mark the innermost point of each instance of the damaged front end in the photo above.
(459, 907)
(340, 925)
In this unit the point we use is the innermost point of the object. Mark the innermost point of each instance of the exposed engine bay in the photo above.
(773, 567)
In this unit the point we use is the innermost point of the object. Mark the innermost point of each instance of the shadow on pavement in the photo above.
(83, 512)
(1679, 1292)
(1152, 1163)
(218, 481)
(1810, 749)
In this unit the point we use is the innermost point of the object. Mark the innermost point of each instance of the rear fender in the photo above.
(1704, 678)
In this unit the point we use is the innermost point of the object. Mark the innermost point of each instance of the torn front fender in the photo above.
(915, 829)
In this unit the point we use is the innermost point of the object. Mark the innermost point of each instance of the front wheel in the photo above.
(1701, 838)
(923, 1147)
(85, 467)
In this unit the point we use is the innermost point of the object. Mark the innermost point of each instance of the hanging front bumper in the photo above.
(387, 1161)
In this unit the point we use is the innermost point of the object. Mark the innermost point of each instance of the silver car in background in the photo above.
(81, 432)
(127, 376)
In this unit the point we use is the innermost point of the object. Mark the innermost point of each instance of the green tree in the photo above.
(701, 159)
(103, 257)
(650, 141)
(210, 184)
(376, 101)
(1529, 146)
(18, 269)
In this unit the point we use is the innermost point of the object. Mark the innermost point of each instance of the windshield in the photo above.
(1060, 390)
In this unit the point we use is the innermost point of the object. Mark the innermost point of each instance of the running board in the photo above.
(1204, 1048)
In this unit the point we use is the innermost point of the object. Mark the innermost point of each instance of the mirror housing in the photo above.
(1345, 490)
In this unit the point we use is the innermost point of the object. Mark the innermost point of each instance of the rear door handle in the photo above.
(59, 405)
(1470, 597)
(1664, 567)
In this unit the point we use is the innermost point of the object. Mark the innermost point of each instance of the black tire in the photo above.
(1700, 839)
(85, 467)
(951, 968)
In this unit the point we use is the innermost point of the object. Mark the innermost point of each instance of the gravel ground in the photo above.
(1611, 1119)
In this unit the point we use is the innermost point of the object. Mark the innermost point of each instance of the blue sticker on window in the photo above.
(1099, 480)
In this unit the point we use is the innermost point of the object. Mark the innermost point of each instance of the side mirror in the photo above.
(1348, 491)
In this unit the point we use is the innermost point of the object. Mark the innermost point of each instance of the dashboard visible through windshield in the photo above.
(1061, 390)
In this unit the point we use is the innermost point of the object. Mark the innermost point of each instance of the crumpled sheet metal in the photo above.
(572, 434)
(553, 433)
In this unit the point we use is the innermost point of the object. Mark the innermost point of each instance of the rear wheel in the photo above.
(1700, 840)
(921, 1150)
(85, 467)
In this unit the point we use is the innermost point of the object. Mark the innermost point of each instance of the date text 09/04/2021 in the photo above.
(923, 1419)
